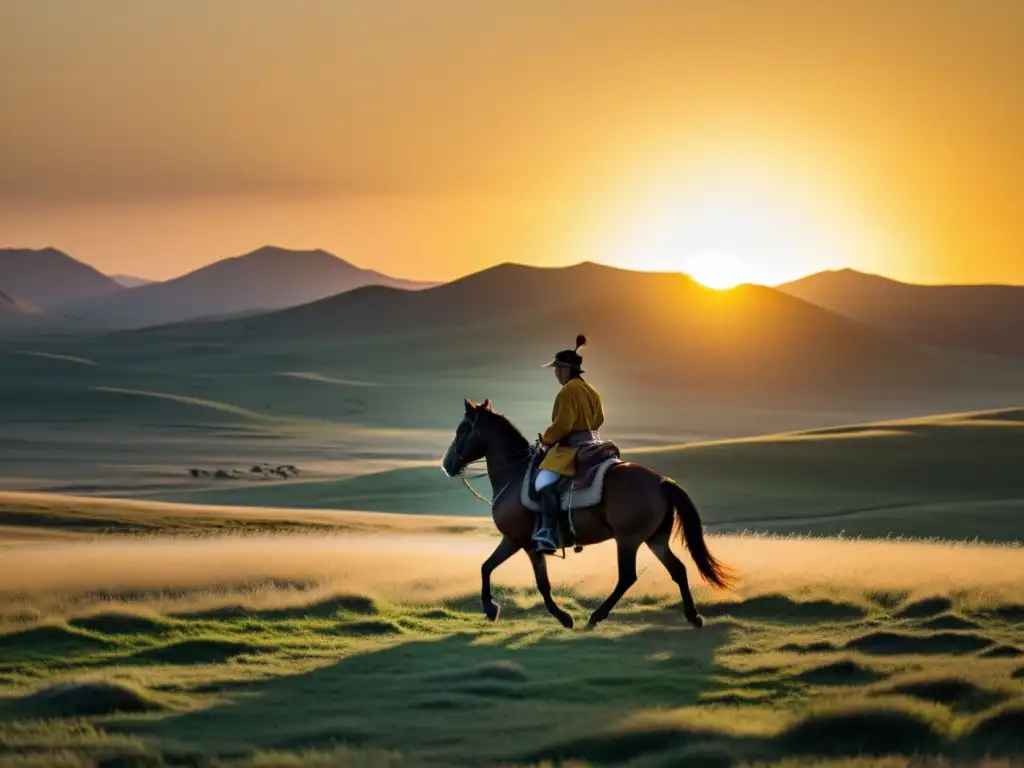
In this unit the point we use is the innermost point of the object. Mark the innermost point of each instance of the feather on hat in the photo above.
(569, 358)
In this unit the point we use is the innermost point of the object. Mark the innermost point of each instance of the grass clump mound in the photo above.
(628, 744)
(845, 672)
(197, 651)
(862, 730)
(1003, 652)
(366, 628)
(504, 670)
(999, 732)
(782, 609)
(1012, 612)
(900, 644)
(47, 642)
(958, 694)
(949, 621)
(115, 623)
(925, 609)
(86, 699)
(327, 608)
(495, 679)
(818, 647)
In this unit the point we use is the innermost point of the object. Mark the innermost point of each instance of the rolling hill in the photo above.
(978, 318)
(374, 378)
(50, 279)
(953, 476)
(648, 330)
(266, 279)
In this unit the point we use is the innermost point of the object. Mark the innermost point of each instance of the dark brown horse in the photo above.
(636, 508)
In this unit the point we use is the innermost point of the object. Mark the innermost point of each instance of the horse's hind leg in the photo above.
(627, 578)
(659, 544)
(540, 570)
(503, 552)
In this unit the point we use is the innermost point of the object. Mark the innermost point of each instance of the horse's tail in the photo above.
(689, 527)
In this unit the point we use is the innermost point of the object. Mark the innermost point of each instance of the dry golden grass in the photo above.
(409, 561)
(57, 513)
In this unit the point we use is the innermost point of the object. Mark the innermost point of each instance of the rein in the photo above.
(471, 489)
(475, 492)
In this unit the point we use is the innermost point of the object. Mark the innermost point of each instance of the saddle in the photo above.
(585, 488)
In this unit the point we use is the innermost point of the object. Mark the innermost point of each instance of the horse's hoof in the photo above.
(565, 620)
(696, 621)
(592, 625)
(492, 611)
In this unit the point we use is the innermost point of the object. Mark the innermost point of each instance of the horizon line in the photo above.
(832, 270)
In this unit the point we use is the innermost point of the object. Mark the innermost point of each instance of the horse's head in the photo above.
(469, 444)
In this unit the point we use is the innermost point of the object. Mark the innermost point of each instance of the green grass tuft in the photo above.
(195, 651)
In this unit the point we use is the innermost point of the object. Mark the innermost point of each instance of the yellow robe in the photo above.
(577, 407)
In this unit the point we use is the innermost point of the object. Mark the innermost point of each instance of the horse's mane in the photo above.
(510, 436)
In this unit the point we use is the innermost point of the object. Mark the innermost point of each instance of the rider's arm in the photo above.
(564, 418)
(599, 416)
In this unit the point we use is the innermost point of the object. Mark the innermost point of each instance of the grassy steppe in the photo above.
(366, 649)
(955, 477)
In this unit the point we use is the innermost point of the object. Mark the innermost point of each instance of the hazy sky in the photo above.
(428, 138)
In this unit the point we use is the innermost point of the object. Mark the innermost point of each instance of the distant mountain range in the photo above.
(655, 319)
(50, 279)
(647, 329)
(266, 279)
(977, 318)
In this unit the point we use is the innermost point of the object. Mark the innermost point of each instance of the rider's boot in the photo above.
(545, 539)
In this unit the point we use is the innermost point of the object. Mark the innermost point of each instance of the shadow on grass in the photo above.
(459, 699)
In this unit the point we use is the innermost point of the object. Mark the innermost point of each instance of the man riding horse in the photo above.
(575, 419)
(633, 505)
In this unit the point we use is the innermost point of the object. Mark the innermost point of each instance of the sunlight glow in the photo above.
(725, 229)
(717, 269)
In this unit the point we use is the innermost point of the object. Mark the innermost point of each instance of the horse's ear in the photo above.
(486, 404)
(470, 406)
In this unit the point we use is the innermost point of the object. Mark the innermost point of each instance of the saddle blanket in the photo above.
(573, 499)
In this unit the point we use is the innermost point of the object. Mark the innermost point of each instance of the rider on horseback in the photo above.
(575, 419)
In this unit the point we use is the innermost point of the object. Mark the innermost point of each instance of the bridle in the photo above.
(453, 447)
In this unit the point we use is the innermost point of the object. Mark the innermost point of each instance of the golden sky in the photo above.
(432, 138)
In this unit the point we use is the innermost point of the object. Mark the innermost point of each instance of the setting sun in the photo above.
(717, 269)
(728, 225)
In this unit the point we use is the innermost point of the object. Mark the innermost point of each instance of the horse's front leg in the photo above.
(503, 552)
(540, 570)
